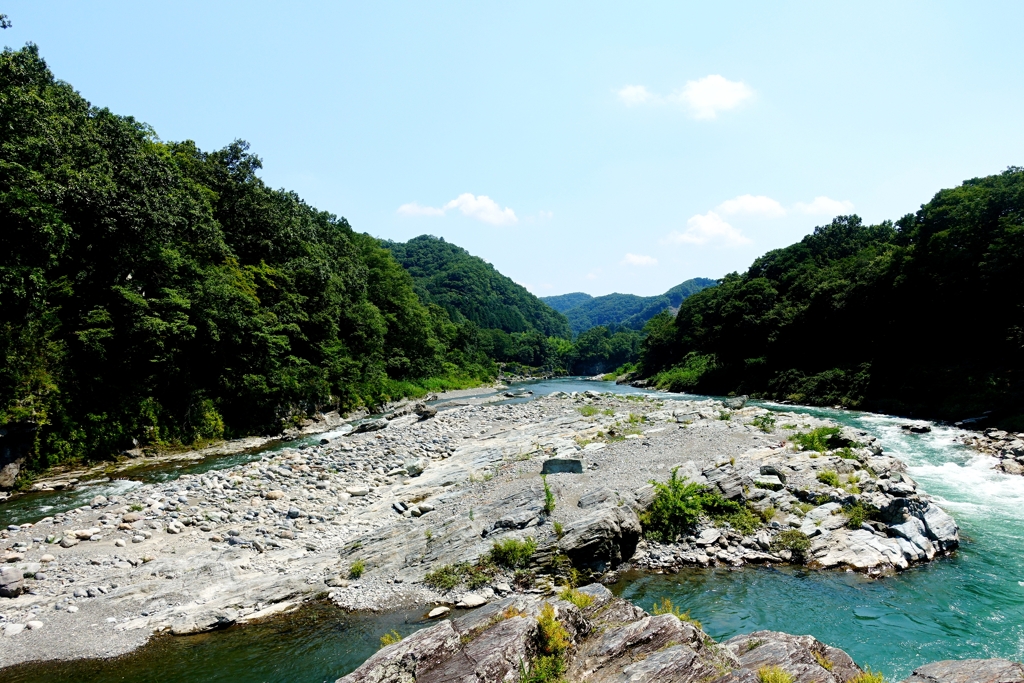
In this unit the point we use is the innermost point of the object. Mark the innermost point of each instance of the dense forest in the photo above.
(469, 288)
(153, 292)
(924, 316)
(626, 311)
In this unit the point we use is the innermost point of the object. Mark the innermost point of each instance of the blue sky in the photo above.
(591, 146)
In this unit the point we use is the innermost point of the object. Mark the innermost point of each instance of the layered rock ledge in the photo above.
(612, 641)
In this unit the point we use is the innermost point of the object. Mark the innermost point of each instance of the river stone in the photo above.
(68, 542)
(415, 466)
(370, 426)
(562, 466)
(13, 629)
(424, 411)
(708, 537)
(727, 480)
(98, 501)
(274, 495)
(471, 600)
(357, 490)
(438, 612)
(774, 470)
(34, 625)
(47, 558)
(11, 582)
(968, 671)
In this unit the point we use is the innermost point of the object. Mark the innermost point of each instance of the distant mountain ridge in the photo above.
(621, 310)
(469, 288)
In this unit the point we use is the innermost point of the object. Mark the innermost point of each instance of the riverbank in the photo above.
(241, 544)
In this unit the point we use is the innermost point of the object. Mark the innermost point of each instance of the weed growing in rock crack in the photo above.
(561, 567)
(802, 509)
(846, 454)
(523, 578)
(429, 535)
(636, 419)
(823, 661)
(857, 513)
(471, 514)
(559, 530)
(867, 677)
(513, 553)
(552, 643)
(666, 607)
(587, 411)
(754, 643)
(773, 674)
(357, 569)
(549, 497)
(390, 639)
(829, 478)
(724, 415)
(678, 506)
(581, 600)
(794, 541)
(136, 507)
(766, 422)
(608, 411)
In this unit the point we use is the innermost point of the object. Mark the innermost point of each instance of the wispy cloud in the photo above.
(749, 204)
(481, 207)
(639, 260)
(633, 95)
(824, 206)
(708, 228)
(704, 97)
(414, 209)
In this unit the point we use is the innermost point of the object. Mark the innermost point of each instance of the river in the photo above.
(971, 605)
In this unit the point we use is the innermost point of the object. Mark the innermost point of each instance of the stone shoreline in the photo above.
(1006, 446)
(413, 494)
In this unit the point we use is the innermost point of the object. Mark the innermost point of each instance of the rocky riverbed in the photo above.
(595, 637)
(363, 518)
(1006, 446)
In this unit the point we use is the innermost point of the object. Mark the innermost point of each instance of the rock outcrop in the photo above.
(609, 640)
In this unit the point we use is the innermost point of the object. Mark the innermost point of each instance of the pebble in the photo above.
(34, 625)
(438, 612)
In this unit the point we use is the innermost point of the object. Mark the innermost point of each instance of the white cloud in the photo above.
(748, 203)
(707, 96)
(480, 207)
(414, 209)
(483, 208)
(639, 260)
(824, 206)
(708, 228)
(637, 94)
(591, 276)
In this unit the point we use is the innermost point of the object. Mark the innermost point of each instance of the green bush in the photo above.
(512, 553)
(766, 422)
(858, 513)
(587, 411)
(357, 569)
(794, 541)
(678, 506)
(821, 439)
(581, 600)
(390, 639)
(449, 576)
(744, 520)
(829, 477)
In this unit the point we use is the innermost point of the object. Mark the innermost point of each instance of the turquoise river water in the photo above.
(970, 605)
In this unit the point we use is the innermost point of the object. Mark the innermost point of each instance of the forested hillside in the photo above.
(923, 316)
(471, 289)
(627, 311)
(154, 292)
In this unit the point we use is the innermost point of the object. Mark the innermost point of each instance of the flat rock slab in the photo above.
(969, 671)
(562, 466)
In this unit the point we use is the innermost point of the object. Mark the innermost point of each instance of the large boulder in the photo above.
(604, 538)
(409, 659)
(968, 671)
(11, 582)
(370, 426)
(802, 657)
